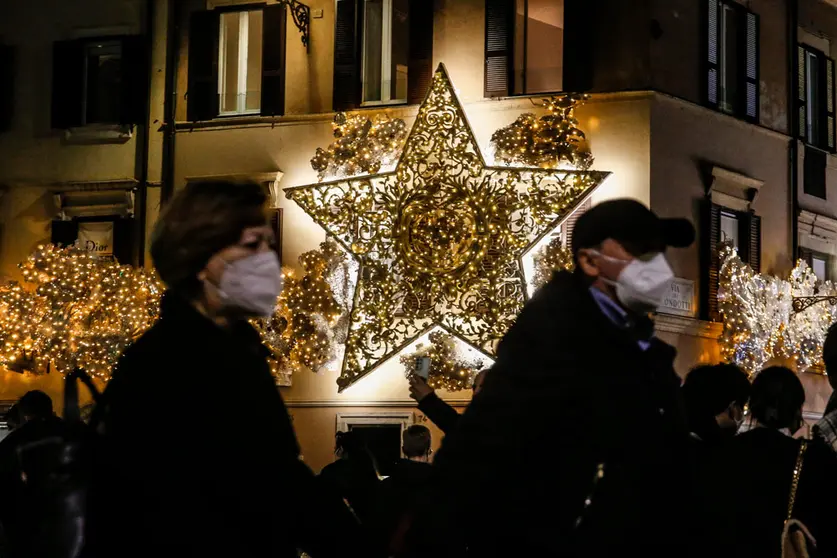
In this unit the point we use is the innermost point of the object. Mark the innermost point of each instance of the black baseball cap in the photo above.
(632, 225)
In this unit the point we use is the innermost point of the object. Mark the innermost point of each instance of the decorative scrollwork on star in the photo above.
(439, 240)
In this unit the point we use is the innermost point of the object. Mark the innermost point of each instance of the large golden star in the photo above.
(440, 240)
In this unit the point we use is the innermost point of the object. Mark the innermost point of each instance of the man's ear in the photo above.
(587, 263)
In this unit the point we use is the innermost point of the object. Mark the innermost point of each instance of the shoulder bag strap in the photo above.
(797, 472)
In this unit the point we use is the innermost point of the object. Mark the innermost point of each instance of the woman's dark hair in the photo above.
(777, 398)
(200, 221)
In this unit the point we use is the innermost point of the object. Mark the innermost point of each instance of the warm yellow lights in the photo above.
(361, 146)
(449, 370)
(439, 240)
(549, 141)
(759, 321)
(80, 311)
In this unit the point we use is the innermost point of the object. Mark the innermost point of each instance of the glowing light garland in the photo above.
(551, 141)
(76, 310)
(80, 311)
(759, 321)
(362, 146)
(439, 241)
(450, 369)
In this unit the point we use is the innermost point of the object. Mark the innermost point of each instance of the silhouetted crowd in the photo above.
(579, 441)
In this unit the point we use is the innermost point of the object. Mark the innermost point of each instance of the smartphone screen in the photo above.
(422, 367)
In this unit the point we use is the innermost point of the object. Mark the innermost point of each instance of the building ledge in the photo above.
(687, 326)
(269, 179)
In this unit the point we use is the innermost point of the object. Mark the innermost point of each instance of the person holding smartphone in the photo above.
(440, 413)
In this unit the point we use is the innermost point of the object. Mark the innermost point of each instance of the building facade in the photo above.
(716, 110)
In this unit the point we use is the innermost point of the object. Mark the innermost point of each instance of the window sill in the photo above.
(98, 134)
(379, 104)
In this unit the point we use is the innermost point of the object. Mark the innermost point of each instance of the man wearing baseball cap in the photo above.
(577, 440)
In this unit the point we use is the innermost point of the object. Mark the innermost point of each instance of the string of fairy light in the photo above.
(362, 145)
(392, 259)
(441, 238)
(74, 309)
(759, 320)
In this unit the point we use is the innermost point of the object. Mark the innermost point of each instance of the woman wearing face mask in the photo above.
(177, 480)
(750, 479)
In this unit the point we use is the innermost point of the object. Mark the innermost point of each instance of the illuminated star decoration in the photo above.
(440, 240)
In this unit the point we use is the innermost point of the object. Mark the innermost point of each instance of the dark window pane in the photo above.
(814, 172)
(103, 83)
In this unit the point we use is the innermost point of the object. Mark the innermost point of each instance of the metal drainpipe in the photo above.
(793, 72)
(144, 148)
(170, 101)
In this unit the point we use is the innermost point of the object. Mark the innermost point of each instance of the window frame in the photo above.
(809, 255)
(746, 105)
(241, 97)
(387, 13)
(203, 73)
(826, 136)
(112, 42)
(749, 251)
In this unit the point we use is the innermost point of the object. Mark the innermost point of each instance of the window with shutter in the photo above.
(91, 84)
(814, 165)
(732, 59)
(7, 80)
(724, 226)
(383, 52)
(819, 263)
(528, 51)
(237, 61)
(815, 99)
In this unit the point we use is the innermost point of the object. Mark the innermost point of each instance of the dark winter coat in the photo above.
(748, 488)
(570, 390)
(439, 412)
(397, 497)
(202, 459)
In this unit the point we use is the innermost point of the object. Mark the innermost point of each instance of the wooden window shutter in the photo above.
(754, 242)
(347, 54)
(569, 224)
(710, 238)
(274, 39)
(750, 74)
(713, 52)
(67, 84)
(579, 45)
(499, 35)
(64, 233)
(802, 93)
(829, 142)
(7, 80)
(420, 68)
(202, 95)
(124, 243)
(135, 76)
(813, 172)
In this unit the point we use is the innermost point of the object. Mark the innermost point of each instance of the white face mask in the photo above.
(252, 284)
(641, 285)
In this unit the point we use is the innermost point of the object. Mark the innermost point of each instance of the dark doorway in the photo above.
(384, 442)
